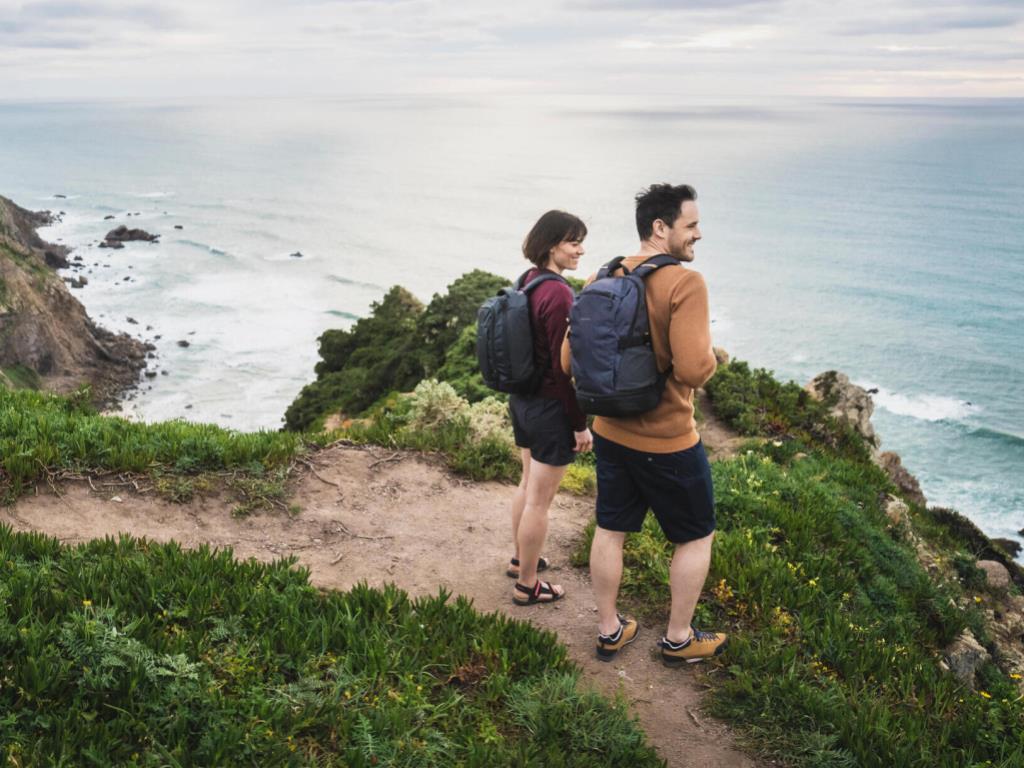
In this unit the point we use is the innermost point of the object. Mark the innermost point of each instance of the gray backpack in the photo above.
(614, 367)
(504, 338)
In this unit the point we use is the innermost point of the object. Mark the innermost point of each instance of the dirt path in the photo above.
(406, 519)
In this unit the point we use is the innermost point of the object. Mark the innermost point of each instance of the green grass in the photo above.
(756, 404)
(22, 377)
(133, 653)
(836, 629)
(42, 434)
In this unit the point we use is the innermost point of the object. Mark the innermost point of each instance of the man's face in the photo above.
(684, 232)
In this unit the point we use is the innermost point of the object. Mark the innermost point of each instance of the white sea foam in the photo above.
(155, 195)
(922, 406)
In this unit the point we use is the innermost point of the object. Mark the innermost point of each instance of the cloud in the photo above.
(70, 25)
(666, 5)
(719, 39)
(932, 21)
(722, 48)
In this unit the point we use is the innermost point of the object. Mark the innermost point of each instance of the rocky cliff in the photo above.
(46, 338)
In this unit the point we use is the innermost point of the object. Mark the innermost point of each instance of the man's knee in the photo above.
(704, 542)
(605, 537)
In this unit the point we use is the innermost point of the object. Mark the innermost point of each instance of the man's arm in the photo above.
(689, 332)
(566, 355)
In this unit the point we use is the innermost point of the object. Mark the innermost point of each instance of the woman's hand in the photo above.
(584, 441)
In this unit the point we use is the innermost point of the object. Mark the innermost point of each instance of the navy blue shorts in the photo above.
(676, 486)
(541, 424)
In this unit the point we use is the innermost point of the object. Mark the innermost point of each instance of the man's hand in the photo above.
(584, 441)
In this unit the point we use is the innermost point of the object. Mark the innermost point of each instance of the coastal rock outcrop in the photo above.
(122, 234)
(997, 577)
(964, 657)
(46, 330)
(852, 403)
(892, 465)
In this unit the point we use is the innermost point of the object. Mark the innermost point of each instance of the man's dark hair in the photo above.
(551, 229)
(660, 201)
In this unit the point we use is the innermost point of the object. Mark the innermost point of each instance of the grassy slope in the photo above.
(130, 653)
(836, 628)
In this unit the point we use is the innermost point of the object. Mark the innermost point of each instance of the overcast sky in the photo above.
(707, 49)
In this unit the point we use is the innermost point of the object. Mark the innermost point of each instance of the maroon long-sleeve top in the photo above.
(549, 312)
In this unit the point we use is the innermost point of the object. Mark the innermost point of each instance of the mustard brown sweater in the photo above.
(677, 307)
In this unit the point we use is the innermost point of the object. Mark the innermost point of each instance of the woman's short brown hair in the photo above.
(551, 229)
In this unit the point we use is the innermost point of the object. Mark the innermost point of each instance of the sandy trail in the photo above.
(406, 519)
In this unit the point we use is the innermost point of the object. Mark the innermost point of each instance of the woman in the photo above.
(549, 426)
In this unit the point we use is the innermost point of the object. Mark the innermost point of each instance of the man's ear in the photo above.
(659, 227)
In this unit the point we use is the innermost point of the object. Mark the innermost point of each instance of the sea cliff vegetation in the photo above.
(840, 613)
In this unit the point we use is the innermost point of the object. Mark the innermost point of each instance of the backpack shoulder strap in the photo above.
(611, 267)
(518, 284)
(648, 266)
(542, 279)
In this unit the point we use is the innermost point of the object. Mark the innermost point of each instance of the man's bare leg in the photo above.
(689, 570)
(606, 574)
(533, 525)
(519, 498)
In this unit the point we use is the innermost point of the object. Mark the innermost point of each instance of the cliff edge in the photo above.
(47, 341)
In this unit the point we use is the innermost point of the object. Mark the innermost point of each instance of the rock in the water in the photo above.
(132, 320)
(55, 260)
(178, 226)
(964, 656)
(1011, 546)
(852, 403)
(996, 575)
(108, 217)
(721, 356)
(296, 255)
(151, 374)
(182, 343)
(892, 466)
(61, 197)
(123, 234)
(111, 244)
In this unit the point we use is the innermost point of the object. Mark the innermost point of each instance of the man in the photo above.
(656, 460)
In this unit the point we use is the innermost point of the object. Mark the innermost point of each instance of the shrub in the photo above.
(393, 348)
(755, 403)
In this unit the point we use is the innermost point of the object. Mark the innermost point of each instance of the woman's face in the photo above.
(565, 255)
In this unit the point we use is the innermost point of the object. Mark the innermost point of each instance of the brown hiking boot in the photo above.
(699, 646)
(609, 645)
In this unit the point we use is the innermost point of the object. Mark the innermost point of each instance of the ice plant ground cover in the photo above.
(132, 653)
(836, 627)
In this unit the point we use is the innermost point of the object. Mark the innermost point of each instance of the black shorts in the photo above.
(676, 486)
(541, 424)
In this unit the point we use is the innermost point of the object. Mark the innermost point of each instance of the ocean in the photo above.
(880, 238)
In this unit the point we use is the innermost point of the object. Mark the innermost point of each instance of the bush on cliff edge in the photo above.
(396, 346)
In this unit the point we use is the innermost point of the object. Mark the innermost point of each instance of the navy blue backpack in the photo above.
(614, 368)
(504, 338)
